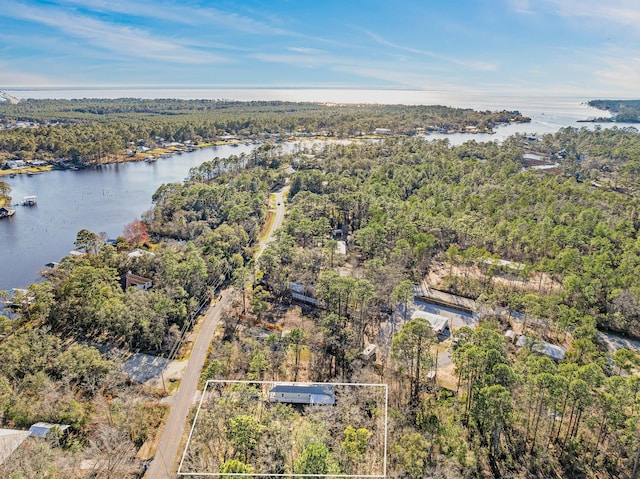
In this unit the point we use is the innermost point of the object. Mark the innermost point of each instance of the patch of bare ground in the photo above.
(534, 282)
(294, 317)
(447, 378)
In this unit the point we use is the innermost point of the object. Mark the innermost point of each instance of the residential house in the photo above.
(303, 394)
(139, 253)
(542, 347)
(16, 164)
(439, 324)
(139, 282)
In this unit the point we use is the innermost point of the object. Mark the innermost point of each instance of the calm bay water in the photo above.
(100, 200)
(106, 199)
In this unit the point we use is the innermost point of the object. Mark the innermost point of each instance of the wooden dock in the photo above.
(6, 213)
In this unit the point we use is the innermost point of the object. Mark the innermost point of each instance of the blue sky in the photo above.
(581, 47)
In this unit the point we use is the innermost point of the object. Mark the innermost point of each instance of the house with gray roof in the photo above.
(303, 394)
(542, 347)
(439, 323)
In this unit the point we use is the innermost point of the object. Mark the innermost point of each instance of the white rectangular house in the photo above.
(303, 394)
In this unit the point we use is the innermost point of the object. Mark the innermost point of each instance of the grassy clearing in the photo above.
(267, 226)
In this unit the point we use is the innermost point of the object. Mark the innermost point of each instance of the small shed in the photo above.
(297, 287)
(369, 352)
(303, 394)
(42, 429)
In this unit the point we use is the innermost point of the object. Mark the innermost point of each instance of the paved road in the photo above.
(164, 464)
(277, 221)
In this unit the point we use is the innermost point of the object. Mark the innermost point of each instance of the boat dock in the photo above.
(30, 200)
(6, 212)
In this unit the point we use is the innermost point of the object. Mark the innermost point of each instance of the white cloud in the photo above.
(619, 11)
(189, 14)
(623, 12)
(305, 50)
(410, 76)
(402, 79)
(123, 40)
(470, 64)
(621, 75)
(177, 12)
(303, 59)
(521, 6)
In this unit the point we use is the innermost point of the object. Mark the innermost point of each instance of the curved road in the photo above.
(164, 464)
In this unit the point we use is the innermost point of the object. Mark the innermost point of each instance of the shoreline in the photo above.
(154, 154)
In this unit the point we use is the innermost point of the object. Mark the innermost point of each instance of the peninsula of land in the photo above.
(622, 111)
(36, 135)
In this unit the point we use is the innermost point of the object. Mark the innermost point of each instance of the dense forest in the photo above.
(86, 131)
(623, 111)
(410, 205)
(475, 201)
(552, 254)
(64, 342)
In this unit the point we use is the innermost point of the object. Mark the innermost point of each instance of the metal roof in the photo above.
(41, 429)
(303, 389)
(438, 322)
(543, 347)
